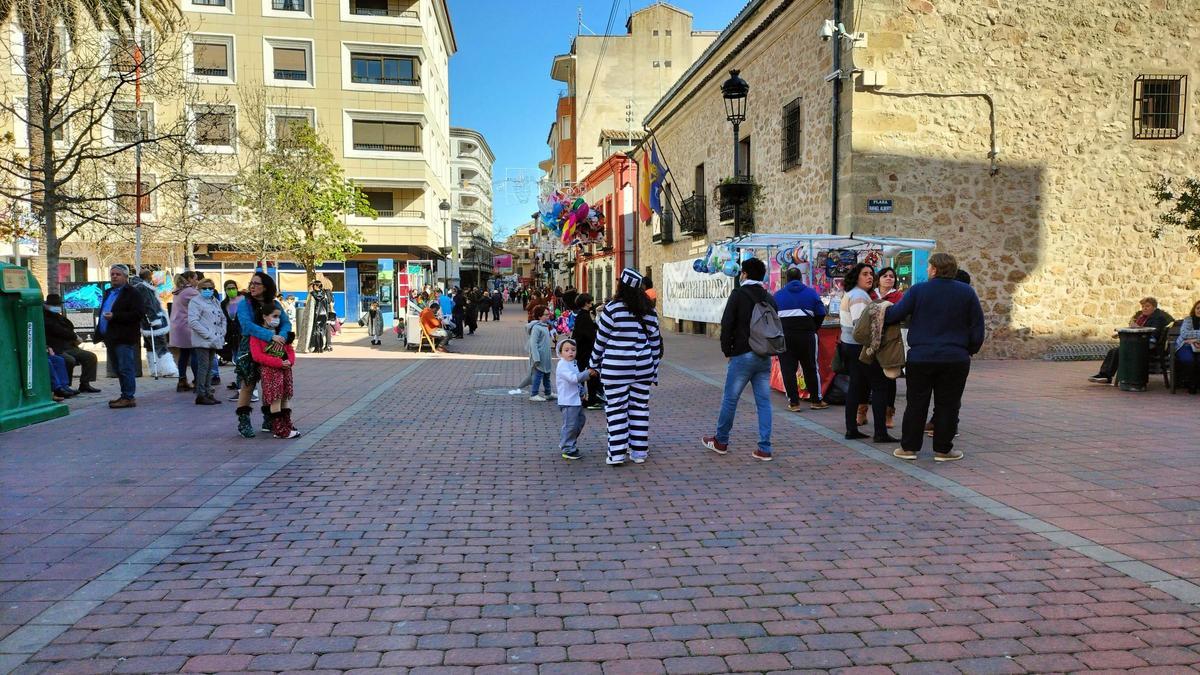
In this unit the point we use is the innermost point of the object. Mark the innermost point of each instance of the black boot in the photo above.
(267, 418)
(245, 428)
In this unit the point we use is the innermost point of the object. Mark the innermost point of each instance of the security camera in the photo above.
(828, 29)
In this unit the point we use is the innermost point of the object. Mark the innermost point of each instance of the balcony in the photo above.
(383, 9)
(389, 213)
(746, 217)
(291, 75)
(287, 5)
(210, 72)
(386, 147)
(694, 216)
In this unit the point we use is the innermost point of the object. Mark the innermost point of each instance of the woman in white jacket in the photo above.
(207, 323)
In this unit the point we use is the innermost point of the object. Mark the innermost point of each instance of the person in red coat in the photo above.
(275, 361)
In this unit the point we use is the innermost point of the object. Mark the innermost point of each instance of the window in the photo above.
(565, 127)
(210, 58)
(125, 123)
(290, 63)
(667, 63)
(655, 64)
(123, 52)
(23, 126)
(668, 32)
(1159, 106)
(128, 193)
(654, 33)
(382, 202)
(288, 5)
(285, 124)
(209, 3)
(381, 69)
(698, 185)
(386, 136)
(215, 126)
(744, 157)
(214, 198)
(793, 134)
(564, 172)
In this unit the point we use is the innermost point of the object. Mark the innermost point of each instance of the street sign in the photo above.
(879, 206)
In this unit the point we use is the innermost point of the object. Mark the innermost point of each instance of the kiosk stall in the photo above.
(824, 259)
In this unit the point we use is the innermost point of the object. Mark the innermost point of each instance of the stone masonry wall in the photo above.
(1059, 242)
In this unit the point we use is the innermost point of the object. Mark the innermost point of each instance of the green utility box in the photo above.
(24, 369)
(1133, 363)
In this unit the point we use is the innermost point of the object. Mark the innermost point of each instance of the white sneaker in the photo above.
(234, 396)
(551, 396)
(254, 397)
(539, 399)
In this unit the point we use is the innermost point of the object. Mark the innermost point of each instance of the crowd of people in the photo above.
(1185, 349)
(455, 314)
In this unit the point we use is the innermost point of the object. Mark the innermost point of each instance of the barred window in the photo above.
(793, 134)
(1159, 106)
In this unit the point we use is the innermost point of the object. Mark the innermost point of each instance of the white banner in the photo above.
(692, 296)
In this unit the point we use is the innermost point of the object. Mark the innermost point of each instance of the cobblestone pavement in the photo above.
(432, 528)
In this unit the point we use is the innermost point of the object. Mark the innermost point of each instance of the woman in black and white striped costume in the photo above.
(627, 352)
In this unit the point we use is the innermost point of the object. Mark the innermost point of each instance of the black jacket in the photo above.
(735, 322)
(584, 335)
(60, 332)
(125, 326)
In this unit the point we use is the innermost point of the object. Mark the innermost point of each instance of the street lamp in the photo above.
(445, 249)
(734, 91)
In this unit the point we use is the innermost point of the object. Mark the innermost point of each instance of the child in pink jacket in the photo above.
(275, 362)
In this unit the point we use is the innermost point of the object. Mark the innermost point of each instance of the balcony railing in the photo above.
(391, 213)
(293, 75)
(288, 5)
(694, 218)
(393, 81)
(746, 217)
(386, 147)
(388, 12)
(211, 72)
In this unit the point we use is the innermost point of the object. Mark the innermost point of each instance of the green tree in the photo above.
(1183, 207)
(47, 29)
(298, 196)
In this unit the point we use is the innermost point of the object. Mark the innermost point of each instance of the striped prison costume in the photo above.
(627, 353)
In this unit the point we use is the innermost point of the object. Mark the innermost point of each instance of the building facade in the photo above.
(472, 205)
(1087, 104)
(370, 75)
(610, 188)
(611, 82)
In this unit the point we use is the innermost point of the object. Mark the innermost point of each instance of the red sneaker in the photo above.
(760, 455)
(713, 444)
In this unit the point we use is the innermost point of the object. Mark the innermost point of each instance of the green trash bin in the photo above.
(24, 370)
(1133, 368)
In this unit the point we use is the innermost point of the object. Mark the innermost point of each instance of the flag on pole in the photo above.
(658, 174)
(644, 187)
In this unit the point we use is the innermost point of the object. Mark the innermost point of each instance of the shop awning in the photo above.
(825, 241)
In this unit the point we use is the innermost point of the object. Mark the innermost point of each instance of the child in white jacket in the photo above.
(207, 323)
(569, 381)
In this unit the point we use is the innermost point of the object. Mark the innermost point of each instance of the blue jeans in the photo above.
(542, 378)
(127, 369)
(58, 373)
(573, 420)
(755, 370)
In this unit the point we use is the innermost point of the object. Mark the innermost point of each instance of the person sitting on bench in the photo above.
(1150, 316)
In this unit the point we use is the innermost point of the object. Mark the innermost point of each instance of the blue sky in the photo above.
(500, 78)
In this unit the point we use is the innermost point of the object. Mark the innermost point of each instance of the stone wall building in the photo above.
(1089, 102)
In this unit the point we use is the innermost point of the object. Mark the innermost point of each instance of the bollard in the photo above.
(24, 369)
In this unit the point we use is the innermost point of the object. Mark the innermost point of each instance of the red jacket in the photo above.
(266, 353)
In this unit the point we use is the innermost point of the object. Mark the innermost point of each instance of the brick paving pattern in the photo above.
(437, 531)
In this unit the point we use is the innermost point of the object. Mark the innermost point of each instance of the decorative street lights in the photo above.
(445, 249)
(734, 91)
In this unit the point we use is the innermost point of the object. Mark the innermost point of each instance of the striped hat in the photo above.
(631, 278)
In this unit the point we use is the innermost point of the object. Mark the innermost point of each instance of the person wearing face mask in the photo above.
(539, 352)
(275, 361)
(207, 323)
(252, 312)
(181, 334)
(61, 337)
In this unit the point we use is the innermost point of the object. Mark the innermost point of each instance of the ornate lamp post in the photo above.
(445, 249)
(734, 91)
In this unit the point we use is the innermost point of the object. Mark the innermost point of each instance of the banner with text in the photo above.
(692, 296)
(502, 264)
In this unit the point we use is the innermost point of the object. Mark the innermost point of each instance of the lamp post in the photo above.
(734, 91)
(445, 249)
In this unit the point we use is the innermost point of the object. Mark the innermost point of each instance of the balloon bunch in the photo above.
(564, 213)
(793, 256)
(723, 259)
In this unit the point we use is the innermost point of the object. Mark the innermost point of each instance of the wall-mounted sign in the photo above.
(879, 206)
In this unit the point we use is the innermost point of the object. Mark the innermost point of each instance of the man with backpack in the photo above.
(751, 333)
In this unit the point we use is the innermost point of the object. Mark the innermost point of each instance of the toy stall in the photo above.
(824, 260)
(411, 277)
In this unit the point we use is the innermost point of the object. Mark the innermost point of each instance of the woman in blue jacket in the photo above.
(259, 302)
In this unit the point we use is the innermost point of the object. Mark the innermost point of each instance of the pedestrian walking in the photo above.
(120, 329)
(62, 338)
(181, 333)
(233, 332)
(207, 323)
(458, 312)
(945, 329)
(750, 318)
(275, 361)
(484, 307)
(584, 335)
(258, 303)
(474, 297)
(539, 343)
(867, 381)
(373, 320)
(568, 380)
(627, 352)
(801, 312)
(497, 302)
